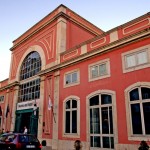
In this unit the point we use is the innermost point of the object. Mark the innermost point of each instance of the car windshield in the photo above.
(27, 138)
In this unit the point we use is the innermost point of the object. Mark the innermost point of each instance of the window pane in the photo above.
(111, 120)
(131, 61)
(74, 104)
(95, 121)
(68, 105)
(106, 142)
(146, 110)
(94, 71)
(95, 141)
(74, 77)
(145, 93)
(68, 79)
(136, 119)
(106, 99)
(112, 142)
(102, 69)
(142, 57)
(91, 122)
(105, 120)
(74, 121)
(94, 100)
(134, 95)
(67, 129)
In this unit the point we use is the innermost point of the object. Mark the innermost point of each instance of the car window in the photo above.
(3, 137)
(9, 138)
(27, 138)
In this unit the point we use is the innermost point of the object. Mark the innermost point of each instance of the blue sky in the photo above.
(17, 16)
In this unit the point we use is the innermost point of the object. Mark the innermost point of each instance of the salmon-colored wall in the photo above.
(45, 38)
(47, 114)
(117, 82)
(76, 35)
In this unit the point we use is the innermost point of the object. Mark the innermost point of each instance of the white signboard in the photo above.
(26, 105)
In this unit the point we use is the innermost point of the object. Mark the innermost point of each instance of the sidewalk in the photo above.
(46, 148)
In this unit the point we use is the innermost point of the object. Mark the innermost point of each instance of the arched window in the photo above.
(30, 87)
(30, 66)
(139, 102)
(101, 121)
(71, 116)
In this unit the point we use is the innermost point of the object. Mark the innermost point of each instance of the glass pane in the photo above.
(142, 57)
(146, 110)
(96, 141)
(105, 120)
(94, 100)
(91, 141)
(102, 69)
(134, 95)
(91, 122)
(74, 77)
(94, 121)
(68, 105)
(145, 93)
(112, 142)
(67, 127)
(94, 71)
(111, 120)
(74, 104)
(131, 61)
(106, 99)
(106, 142)
(68, 79)
(74, 121)
(136, 119)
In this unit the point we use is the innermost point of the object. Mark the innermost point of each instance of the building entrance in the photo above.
(26, 118)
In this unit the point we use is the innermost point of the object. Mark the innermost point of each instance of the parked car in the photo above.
(19, 141)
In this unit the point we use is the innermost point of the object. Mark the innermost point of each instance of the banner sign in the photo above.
(27, 105)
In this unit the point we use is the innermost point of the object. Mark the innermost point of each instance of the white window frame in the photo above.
(135, 53)
(114, 111)
(71, 73)
(132, 136)
(105, 61)
(71, 135)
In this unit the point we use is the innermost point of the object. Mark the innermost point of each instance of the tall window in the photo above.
(30, 87)
(139, 99)
(71, 116)
(101, 121)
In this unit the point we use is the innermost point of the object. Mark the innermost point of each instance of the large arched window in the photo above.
(101, 121)
(30, 87)
(30, 66)
(139, 102)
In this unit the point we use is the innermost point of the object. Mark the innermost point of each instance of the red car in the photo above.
(18, 141)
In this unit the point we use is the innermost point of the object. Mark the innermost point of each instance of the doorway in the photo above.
(28, 119)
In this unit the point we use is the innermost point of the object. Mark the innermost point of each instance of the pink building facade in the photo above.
(96, 83)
